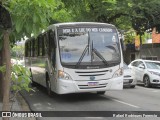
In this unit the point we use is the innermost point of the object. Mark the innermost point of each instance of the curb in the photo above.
(24, 104)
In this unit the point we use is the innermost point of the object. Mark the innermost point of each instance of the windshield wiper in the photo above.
(100, 56)
(84, 52)
(91, 50)
(82, 56)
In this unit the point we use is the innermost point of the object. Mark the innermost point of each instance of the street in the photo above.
(129, 99)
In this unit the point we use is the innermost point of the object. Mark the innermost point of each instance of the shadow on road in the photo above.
(75, 97)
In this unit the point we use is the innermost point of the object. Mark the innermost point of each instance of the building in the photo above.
(150, 49)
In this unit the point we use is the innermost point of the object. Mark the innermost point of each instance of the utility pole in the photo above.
(140, 45)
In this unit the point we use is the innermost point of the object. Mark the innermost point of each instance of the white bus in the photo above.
(76, 57)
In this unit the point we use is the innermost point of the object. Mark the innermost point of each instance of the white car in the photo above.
(146, 71)
(128, 78)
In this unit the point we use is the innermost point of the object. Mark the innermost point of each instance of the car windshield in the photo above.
(153, 65)
(81, 47)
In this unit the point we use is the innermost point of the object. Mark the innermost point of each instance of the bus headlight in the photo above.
(118, 73)
(63, 75)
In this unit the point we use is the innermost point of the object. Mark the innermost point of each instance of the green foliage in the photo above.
(20, 78)
(129, 36)
(97, 10)
(30, 16)
(17, 51)
(145, 15)
(125, 14)
(2, 68)
(62, 16)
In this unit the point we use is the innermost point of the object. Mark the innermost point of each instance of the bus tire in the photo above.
(48, 86)
(101, 92)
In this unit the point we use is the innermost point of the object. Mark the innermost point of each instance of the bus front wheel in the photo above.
(48, 85)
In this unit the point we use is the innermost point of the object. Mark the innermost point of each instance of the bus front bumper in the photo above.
(72, 86)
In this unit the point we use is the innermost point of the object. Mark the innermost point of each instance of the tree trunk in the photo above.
(140, 45)
(1, 82)
(7, 75)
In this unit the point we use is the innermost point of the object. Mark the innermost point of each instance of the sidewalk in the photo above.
(18, 104)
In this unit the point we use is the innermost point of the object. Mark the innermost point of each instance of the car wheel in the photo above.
(132, 86)
(48, 84)
(146, 81)
(101, 92)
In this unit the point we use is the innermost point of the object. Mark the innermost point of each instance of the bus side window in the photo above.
(36, 47)
(39, 45)
(41, 50)
(33, 47)
(43, 45)
(29, 49)
(45, 48)
(26, 49)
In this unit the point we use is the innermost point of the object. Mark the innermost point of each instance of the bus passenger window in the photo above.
(43, 47)
(40, 46)
(33, 48)
(36, 48)
(26, 50)
(29, 48)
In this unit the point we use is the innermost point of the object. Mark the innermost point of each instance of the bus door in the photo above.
(52, 58)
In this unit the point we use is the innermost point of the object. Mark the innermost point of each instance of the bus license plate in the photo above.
(92, 83)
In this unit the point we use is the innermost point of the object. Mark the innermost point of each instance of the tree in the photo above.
(139, 15)
(107, 11)
(17, 51)
(125, 14)
(1, 86)
(5, 24)
(28, 16)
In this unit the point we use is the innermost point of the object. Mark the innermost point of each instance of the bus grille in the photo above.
(91, 73)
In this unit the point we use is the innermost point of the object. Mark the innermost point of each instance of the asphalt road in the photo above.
(129, 99)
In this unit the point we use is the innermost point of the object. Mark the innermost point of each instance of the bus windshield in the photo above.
(87, 47)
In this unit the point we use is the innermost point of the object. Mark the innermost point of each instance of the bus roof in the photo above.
(67, 24)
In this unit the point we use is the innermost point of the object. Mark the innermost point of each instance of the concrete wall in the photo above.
(149, 50)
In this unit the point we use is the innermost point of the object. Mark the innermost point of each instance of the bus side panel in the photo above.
(38, 70)
(52, 72)
(28, 62)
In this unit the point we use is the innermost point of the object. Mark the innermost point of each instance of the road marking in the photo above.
(125, 103)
